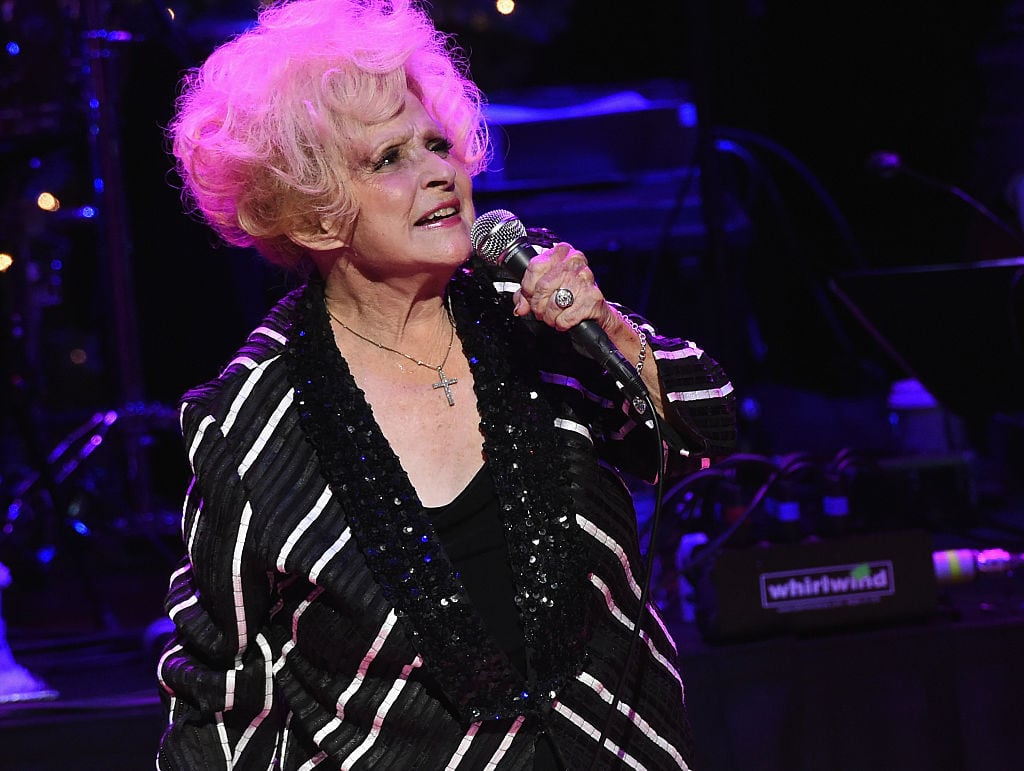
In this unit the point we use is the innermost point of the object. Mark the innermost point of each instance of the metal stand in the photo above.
(711, 186)
(115, 238)
(16, 682)
(45, 507)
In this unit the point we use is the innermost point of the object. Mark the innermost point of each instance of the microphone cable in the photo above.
(645, 586)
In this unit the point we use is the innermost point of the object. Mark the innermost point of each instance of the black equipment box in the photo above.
(760, 591)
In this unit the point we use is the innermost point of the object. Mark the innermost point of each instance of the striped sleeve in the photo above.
(216, 670)
(697, 401)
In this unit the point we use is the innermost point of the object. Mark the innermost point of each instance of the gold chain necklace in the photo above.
(444, 381)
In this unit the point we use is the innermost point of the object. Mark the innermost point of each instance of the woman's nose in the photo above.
(439, 171)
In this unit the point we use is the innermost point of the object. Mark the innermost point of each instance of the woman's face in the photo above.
(414, 198)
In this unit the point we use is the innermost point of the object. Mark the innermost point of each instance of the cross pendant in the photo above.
(446, 384)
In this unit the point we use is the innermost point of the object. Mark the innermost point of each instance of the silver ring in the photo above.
(563, 298)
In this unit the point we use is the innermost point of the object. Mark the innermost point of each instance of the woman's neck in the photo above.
(390, 310)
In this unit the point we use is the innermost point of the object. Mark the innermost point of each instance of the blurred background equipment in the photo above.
(17, 684)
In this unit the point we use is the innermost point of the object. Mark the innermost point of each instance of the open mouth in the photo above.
(438, 214)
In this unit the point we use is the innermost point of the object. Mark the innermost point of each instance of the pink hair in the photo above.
(260, 129)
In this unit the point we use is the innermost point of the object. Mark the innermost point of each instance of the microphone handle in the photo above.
(587, 336)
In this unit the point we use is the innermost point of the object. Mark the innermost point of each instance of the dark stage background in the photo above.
(728, 167)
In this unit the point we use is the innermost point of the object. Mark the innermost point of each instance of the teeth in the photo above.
(445, 212)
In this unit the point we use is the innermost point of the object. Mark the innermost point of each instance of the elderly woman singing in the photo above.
(407, 543)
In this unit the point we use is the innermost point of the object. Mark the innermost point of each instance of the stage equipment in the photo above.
(580, 161)
(72, 497)
(832, 583)
(961, 566)
(818, 584)
(799, 544)
(16, 682)
(956, 328)
(888, 165)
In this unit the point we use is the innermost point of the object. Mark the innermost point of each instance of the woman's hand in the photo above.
(559, 289)
(548, 278)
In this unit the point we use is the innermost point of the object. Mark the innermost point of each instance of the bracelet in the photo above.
(639, 333)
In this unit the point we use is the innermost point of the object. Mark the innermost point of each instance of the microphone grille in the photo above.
(494, 232)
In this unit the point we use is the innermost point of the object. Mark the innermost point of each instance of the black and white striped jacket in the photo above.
(318, 624)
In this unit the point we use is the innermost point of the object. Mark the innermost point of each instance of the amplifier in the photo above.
(760, 591)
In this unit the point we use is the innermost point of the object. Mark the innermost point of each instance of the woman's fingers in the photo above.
(559, 288)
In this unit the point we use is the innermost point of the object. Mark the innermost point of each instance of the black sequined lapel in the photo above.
(398, 541)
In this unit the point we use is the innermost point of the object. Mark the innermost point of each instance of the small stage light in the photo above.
(47, 202)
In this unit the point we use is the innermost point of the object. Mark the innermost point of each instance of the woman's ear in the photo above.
(324, 239)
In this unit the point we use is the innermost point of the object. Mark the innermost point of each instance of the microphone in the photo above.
(960, 566)
(500, 239)
(888, 165)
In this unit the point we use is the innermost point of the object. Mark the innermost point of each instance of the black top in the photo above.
(469, 529)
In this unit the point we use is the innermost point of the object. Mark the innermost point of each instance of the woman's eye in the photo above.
(440, 146)
(388, 158)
